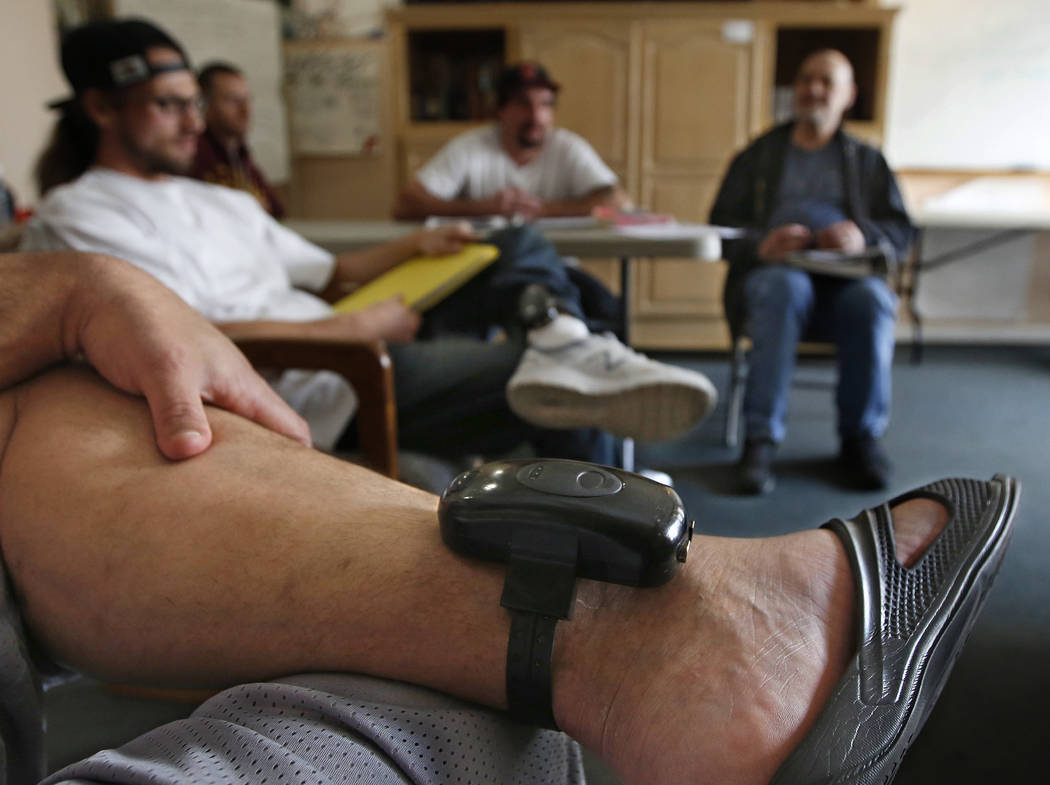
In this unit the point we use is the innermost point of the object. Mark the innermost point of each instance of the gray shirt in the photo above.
(812, 188)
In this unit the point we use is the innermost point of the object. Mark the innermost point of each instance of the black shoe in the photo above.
(867, 464)
(755, 470)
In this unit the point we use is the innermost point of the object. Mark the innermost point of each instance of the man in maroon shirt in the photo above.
(223, 156)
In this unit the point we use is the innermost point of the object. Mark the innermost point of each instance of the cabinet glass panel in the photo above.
(453, 73)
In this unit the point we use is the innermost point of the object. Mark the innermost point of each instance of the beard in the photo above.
(155, 161)
(813, 113)
(529, 142)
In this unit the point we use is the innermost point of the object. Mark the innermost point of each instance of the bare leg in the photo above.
(262, 558)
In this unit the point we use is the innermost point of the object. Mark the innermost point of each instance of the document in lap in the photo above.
(422, 281)
(871, 261)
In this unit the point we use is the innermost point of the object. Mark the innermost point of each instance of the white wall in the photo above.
(29, 63)
(970, 84)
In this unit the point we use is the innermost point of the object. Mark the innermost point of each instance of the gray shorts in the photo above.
(335, 728)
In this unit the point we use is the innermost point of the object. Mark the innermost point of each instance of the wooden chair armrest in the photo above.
(365, 365)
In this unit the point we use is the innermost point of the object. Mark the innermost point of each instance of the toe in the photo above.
(916, 524)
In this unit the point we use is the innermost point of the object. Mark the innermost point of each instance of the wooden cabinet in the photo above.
(666, 93)
(595, 62)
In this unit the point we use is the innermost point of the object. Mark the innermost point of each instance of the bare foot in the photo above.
(719, 674)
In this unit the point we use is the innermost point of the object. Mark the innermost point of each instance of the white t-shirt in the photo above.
(474, 165)
(217, 249)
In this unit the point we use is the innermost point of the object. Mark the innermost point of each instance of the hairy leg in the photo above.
(262, 558)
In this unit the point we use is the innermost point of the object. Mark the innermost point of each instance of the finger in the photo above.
(179, 423)
(262, 405)
(465, 231)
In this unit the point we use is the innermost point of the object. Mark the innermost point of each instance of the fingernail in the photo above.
(187, 437)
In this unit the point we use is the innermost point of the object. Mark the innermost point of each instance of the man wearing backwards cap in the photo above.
(134, 124)
(520, 165)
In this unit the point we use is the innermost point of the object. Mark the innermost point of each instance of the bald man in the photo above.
(808, 185)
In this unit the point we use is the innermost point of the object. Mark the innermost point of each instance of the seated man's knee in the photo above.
(778, 287)
(517, 241)
(867, 301)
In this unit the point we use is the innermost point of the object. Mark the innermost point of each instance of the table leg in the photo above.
(913, 301)
(625, 299)
(948, 257)
(627, 447)
(627, 454)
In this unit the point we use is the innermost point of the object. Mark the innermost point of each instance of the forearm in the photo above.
(610, 196)
(33, 302)
(44, 301)
(353, 268)
(415, 203)
(346, 327)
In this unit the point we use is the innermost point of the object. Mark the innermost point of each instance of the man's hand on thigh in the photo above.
(140, 336)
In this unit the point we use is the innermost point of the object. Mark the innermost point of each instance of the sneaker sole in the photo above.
(648, 412)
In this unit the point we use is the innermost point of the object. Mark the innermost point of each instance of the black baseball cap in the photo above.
(521, 76)
(111, 53)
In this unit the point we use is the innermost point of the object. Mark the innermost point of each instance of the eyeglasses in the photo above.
(174, 105)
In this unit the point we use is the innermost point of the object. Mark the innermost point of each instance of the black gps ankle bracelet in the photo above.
(552, 521)
(536, 306)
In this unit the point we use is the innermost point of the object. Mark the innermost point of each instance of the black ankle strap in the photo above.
(538, 594)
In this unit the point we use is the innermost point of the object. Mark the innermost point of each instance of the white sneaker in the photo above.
(600, 383)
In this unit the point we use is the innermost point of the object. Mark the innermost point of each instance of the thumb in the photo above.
(179, 422)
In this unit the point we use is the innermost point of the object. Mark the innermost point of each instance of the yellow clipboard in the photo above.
(422, 281)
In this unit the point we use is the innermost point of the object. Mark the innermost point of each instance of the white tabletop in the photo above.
(680, 241)
(989, 202)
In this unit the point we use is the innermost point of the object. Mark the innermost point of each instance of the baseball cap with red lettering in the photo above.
(521, 76)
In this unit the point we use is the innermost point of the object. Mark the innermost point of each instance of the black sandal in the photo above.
(913, 622)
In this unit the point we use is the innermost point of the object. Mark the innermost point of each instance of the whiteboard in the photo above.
(969, 85)
(246, 33)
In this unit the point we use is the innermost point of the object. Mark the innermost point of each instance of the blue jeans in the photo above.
(783, 306)
(491, 298)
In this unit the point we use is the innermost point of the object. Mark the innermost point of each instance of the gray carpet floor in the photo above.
(970, 412)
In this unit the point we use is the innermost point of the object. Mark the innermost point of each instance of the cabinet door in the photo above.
(594, 63)
(678, 302)
(697, 94)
